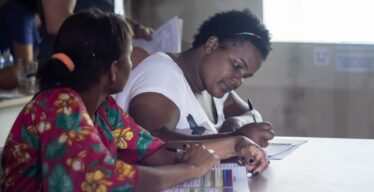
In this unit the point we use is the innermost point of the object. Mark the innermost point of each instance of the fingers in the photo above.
(269, 134)
(262, 162)
(146, 33)
(266, 133)
(265, 137)
(201, 158)
(254, 158)
(266, 125)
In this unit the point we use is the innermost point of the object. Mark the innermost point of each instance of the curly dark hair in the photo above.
(234, 26)
(93, 40)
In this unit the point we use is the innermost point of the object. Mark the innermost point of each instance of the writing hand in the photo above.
(251, 155)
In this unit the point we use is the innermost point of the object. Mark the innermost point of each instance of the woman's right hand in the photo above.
(251, 155)
(200, 159)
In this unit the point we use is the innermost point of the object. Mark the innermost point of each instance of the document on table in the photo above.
(280, 148)
(227, 177)
(167, 38)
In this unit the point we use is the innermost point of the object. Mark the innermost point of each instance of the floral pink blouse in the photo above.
(55, 146)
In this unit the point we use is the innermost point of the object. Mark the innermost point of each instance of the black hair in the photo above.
(226, 26)
(93, 40)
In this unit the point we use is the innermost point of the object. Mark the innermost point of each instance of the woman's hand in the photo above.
(143, 32)
(260, 133)
(251, 155)
(200, 158)
(231, 124)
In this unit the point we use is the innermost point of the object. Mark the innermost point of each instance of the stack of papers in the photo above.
(167, 38)
(224, 177)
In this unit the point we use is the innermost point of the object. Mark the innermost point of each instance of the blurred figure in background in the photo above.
(19, 39)
(54, 12)
(18, 31)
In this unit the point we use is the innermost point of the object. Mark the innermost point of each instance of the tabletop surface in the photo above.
(321, 164)
(15, 101)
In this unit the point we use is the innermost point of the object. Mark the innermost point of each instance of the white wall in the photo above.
(193, 12)
(301, 98)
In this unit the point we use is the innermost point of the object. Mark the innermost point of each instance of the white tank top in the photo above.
(158, 73)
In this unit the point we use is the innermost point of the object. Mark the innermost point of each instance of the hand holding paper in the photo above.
(167, 38)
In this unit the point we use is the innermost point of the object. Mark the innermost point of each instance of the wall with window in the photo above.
(322, 89)
(320, 21)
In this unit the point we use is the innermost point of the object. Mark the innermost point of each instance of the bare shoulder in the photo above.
(154, 111)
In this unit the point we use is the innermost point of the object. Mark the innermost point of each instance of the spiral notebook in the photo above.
(280, 148)
(227, 177)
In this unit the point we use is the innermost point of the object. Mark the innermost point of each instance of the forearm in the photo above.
(8, 78)
(165, 157)
(23, 51)
(248, 117)
(235, 122)
(234, 106)
(170, 135)
(224, 147)
(161, 178)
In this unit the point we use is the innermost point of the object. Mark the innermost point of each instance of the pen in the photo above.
(175, 150)
(250, 174)
(251, 110)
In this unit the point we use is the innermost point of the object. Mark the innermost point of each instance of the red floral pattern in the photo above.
(55, 146)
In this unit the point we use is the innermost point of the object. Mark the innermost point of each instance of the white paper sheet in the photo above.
(224, 177)
(167, 38)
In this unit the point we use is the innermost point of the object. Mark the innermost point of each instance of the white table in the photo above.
(321, 164)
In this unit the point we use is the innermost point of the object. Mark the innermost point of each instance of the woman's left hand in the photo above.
(251, 155)
(143, 32)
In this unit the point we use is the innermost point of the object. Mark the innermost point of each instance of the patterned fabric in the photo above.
(55, 146)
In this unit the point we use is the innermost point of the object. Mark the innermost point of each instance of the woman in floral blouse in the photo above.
(72, 136)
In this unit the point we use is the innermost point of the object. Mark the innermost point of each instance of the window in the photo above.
(322, 21)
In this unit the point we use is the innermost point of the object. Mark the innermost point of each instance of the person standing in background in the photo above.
(54, 12)
(18, 31)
